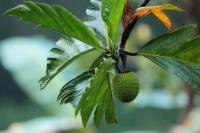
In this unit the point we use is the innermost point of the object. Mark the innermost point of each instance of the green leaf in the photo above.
(169, 43)
(71, 92)
(57, 18)
(97, 61)
(98, 97)
(106, 9)
(112, 11)
(178, 54)
(61, 57)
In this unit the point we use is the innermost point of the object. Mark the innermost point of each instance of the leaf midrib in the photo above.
(170, 57)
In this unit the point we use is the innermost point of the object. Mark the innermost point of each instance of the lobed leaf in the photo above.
(177, 53)
(71, 92)
(98, 97)
(57, 18)
(94, 14)
(61, 57)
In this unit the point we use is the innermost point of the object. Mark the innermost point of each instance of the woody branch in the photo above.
(125, 36)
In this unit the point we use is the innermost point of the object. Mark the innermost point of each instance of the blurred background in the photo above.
(165, 104)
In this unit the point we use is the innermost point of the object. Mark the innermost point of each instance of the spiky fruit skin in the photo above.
(125, 86)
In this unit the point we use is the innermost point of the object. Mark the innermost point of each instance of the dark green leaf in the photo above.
(72, 91)
(57, 18)
(169, 43)
(98, 97)
(178, 54)
(112, 11)
(66, 53)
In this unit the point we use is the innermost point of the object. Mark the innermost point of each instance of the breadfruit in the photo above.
(125, 86)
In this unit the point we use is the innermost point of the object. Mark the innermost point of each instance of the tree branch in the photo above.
(144, 3)
(126, 35)
(194, 11)
(129, 28)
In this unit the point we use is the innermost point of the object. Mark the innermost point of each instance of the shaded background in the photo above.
(165, 103)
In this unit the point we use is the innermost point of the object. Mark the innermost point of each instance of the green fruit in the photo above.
(125, 86)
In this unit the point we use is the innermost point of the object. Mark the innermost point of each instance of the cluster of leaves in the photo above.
(176, 52)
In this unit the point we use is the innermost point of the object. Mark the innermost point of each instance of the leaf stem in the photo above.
(129, 53)
(125, 36)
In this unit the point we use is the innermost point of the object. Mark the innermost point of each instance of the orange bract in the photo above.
(156, 11)
(127, 15)
(163, 18)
